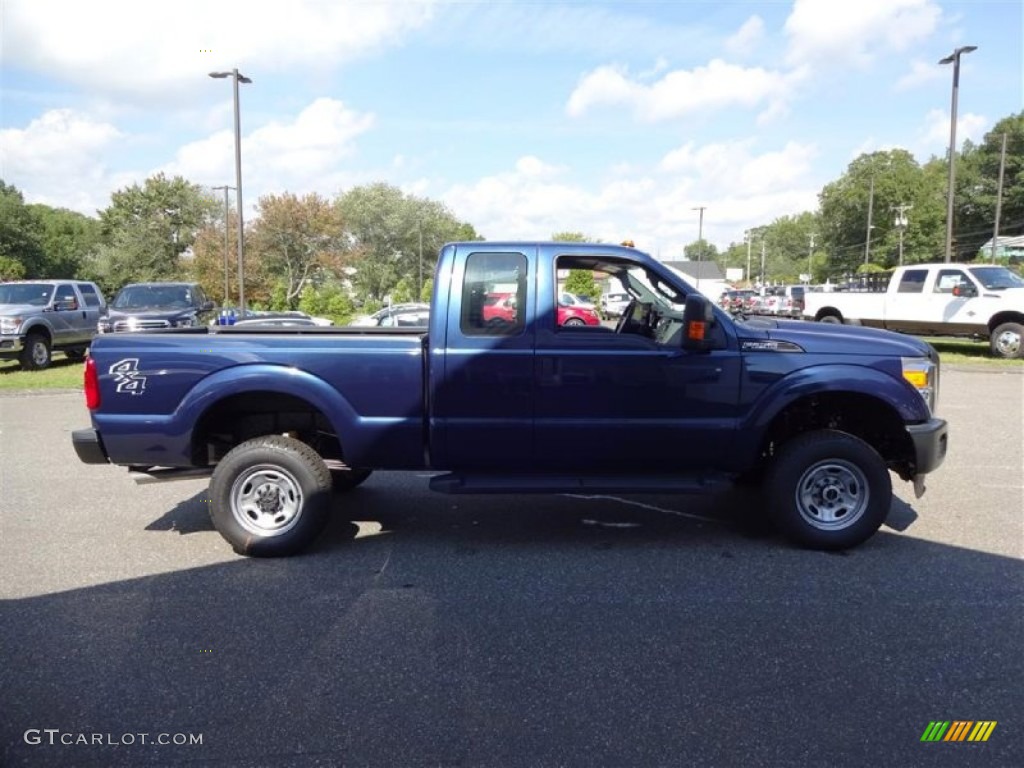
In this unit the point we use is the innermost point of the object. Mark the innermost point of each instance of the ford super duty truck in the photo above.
(677, 396)
(982, 301)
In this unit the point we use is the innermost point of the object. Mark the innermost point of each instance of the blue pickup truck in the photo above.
(676, 397)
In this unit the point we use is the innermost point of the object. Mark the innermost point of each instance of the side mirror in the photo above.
(207, 306)
(698, 320)
(965, 290)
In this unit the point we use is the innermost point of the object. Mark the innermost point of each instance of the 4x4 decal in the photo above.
(126, 374)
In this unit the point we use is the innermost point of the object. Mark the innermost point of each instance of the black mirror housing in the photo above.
(698, 320)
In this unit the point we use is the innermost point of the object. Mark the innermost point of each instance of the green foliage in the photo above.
(403, 291)
(571, 237)
(581, 283)
(11, 269)
(396, 235)
(700, 250)
(19, 233)
(147, 228)
(428, 290)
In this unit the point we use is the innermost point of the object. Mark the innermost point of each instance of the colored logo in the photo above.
(958, 730)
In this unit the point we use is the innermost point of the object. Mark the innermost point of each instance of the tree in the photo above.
(395, 235)
(295, 238)
(580, 282)
(700, 250)
(147, 229)
(67, 238)
(19, 235)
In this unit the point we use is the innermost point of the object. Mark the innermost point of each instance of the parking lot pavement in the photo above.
(508, 631)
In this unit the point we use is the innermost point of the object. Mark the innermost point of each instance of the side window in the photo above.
(948, 279)
(66, 293)
(89, 294)
(913, 281)
(493, 294)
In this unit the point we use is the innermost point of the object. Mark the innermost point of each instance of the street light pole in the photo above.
(871, 211)
(700, 241)
(227, 246)
(749, 240)
(999, 199)
(237, 78)
(954, 59)
(810, 255)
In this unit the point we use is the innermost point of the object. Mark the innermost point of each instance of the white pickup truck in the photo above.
(970, 300)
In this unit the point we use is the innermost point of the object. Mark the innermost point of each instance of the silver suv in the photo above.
(40, 316)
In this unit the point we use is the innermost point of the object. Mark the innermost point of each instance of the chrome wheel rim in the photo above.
(39, 355)
(1008, 343)
(266, 500)
(832, 495)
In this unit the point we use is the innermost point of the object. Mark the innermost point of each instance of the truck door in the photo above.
(624, 402)
(91, 306)
(909, 305)
(955, 304)
(482, 398)
(66, 317)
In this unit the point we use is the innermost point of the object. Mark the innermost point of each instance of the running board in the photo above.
(459, 483)
(148, 475)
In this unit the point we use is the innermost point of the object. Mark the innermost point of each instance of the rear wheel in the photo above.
(1006, 341)
(36, 355)
(831, 318)
(829, 490)
(573, 321)
(270, 496)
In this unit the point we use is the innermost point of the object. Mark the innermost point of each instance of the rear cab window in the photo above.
(912, 281)
(494, 295)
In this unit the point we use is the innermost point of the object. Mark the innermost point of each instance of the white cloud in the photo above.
(301, 155)
(839, 34)
(680, 92)
(739, 187)
(57, 160)
(921, 72)
(151, 50)
(934, 135)
(746, 37)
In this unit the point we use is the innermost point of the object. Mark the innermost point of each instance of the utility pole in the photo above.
(227, 247)
(749, 238)
(700, 241)
(999, 198)
(901, 223)
(810, 254)
(954, 59)
(762, 263)
(871, 210)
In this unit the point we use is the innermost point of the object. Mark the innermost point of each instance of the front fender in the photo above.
(894, 393)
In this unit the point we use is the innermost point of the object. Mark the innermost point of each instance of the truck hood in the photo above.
(834, 339)
(6, 310)
(150, 313)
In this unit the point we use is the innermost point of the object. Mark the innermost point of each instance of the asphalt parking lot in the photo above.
(508, 631)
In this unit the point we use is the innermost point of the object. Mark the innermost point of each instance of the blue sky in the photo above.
(525, 118)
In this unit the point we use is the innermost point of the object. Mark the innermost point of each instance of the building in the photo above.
(1008, 249)
(705, 276)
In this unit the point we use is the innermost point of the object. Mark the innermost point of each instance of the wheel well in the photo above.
(238, 418)
(1004, 317)
(40, 330)
(828, 312)
(864, 416)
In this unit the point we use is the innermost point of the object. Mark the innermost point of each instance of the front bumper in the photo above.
(11, 346)
(89, 446)
(930, 442)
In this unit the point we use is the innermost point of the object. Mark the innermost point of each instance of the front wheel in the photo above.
(270, 496)
(1006, 341)
(829, 490)
(834, 319)
(573, 321)
(37, 353)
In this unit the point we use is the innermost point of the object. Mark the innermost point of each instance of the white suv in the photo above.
(614, 304)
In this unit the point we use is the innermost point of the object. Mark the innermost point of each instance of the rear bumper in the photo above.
(930, 442)
(89, 446)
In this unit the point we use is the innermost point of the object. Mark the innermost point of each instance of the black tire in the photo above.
(347, 479)
(77, 354)
(573, 321)
(831, 318)
(37, 354)
(270, 496)
(828, 490)
(1007, 341)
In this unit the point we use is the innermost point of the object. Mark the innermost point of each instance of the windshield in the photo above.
(139, 296)
(36, 294)
(997, 278)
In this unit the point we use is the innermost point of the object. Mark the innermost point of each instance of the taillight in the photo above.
(92, 385)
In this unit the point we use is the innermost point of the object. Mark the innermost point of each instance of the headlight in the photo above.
(104, 326)
(10, 324)
(923, 375)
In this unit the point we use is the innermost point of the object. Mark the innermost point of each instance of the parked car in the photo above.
(397, 315)
(737, 300)
(40, 316)
(614, 304)
(152, 306)
(277, 320)
(575, 300)
(500, 308)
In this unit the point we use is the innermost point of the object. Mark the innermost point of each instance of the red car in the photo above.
(501, 307)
